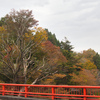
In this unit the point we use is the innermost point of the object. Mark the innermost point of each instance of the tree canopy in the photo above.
(32, 54)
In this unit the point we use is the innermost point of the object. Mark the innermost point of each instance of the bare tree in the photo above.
(18, 46)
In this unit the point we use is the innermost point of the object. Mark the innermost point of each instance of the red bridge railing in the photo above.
(52, 91)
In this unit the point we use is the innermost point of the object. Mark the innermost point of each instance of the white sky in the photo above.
(78, 20)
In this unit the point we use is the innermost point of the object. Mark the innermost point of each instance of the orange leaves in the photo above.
(51, 79)
(60, 75)
(54, 55)
(85, 77)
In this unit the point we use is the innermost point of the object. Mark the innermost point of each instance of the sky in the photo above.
(78, 20)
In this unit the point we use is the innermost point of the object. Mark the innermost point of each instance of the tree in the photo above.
(52, 38)
(96, 60)
(55, 79)
(19, 43)
(88, 65)
(89, 54)
(86, 59)
(2, 21)
(85, 77)
(53, 60)
(66, 49)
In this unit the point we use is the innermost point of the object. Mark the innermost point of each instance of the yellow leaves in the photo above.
(89, 65)
(40, 34)
(89, 54)
(48, 81)
(86, 60)
(3, 33)
(2, 29)
(29, 36)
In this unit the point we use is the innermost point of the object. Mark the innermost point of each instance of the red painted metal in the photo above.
(51, 91)
(3, 88)
(84, 92)
(26, 90)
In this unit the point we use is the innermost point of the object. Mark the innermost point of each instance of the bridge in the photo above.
(53, 92)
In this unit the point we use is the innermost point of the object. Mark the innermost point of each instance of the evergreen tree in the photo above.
(66, 49)
(2, 21)
(96, 60)
(52, 38)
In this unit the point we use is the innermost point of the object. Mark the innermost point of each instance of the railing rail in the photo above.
(51, 91)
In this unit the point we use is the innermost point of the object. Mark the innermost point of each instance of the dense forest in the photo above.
(33, 55)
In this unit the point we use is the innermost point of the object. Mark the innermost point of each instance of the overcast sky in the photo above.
(78, 20)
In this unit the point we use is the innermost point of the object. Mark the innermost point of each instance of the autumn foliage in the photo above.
(32, 54)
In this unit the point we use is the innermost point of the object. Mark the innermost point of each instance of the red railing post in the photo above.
(84, 93)
(53, 92)
(3, 88)
(26, 90)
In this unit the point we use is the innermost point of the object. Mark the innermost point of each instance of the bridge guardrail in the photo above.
(51, 91)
